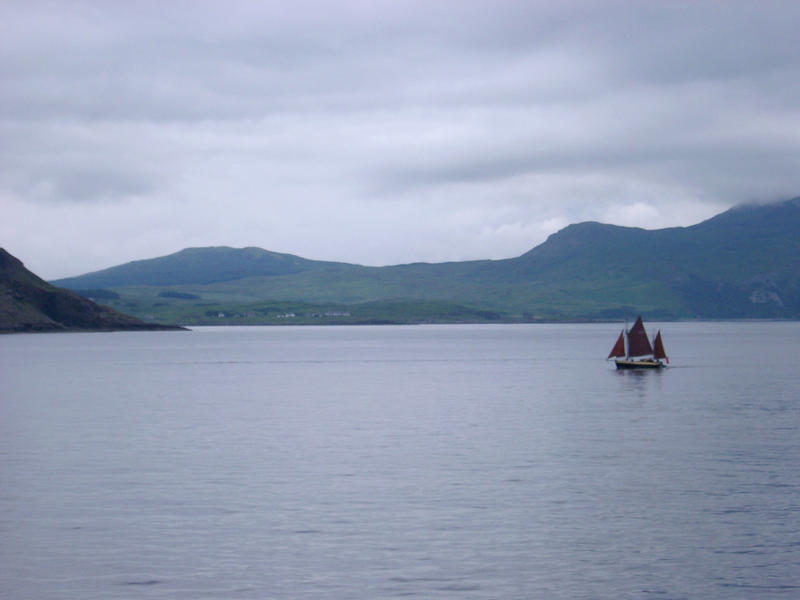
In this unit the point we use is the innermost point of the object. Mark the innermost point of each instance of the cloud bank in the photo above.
(383, 132)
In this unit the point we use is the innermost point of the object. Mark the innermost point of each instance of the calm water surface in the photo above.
(378, 462)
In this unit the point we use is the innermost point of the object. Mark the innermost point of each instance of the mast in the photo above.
(627, 342)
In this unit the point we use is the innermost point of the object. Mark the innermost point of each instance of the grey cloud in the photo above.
(88, 182)
(71, 162)
(92, 183)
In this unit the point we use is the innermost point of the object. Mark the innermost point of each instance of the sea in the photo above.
(431, 461)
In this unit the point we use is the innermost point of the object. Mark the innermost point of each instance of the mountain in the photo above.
(27, 303)
(742, 263)
(194, 266)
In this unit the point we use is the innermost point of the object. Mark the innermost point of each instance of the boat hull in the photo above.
(639, 364)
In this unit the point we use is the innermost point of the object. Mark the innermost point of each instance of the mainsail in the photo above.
(638, 344)
(619, 347)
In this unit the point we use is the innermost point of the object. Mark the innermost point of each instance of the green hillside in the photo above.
(743, 263)
(195, 266)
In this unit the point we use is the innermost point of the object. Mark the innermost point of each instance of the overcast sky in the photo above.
(383, 132)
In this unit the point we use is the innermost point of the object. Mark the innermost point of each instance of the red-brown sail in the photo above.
(638, 344)
(619, 347)
(658, 348)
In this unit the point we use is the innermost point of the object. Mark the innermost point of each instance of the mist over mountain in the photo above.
(743, 263)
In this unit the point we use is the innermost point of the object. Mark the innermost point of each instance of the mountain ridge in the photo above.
(742, 263)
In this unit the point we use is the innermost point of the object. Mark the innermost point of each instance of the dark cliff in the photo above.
(28, 303)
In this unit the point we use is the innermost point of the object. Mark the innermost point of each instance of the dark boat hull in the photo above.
(639, 364)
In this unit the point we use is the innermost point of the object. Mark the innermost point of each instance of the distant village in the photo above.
(288, 315)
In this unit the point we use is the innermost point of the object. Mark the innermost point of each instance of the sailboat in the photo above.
(634, 344)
